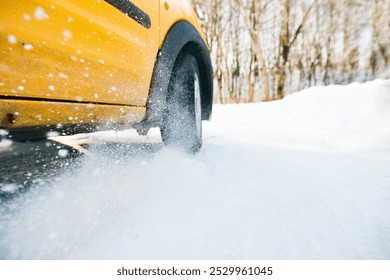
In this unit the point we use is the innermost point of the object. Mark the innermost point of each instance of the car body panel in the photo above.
(28, 113)
(84, 50)
(173, 11)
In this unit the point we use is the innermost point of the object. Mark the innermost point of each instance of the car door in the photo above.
(79, 51)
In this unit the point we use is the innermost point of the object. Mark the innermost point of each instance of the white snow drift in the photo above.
(307, 177)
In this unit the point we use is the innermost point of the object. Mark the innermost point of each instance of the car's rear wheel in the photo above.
(182, 121)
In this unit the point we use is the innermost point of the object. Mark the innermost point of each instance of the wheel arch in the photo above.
(181, 39)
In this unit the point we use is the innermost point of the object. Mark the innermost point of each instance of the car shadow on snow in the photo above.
(26, 165)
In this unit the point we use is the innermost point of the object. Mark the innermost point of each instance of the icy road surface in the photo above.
(307, 177)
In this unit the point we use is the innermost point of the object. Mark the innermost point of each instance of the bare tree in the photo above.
(265, 49)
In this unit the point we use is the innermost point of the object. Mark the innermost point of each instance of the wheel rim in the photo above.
(198, 107)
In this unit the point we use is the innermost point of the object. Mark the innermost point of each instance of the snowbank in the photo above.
(333, 118)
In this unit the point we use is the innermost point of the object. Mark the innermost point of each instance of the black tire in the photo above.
(182, 120)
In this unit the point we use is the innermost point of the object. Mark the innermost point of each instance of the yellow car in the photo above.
(85, 65)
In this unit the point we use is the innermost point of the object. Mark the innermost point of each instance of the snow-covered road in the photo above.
(307, 177)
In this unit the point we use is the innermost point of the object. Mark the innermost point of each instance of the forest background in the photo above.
(263, 50)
